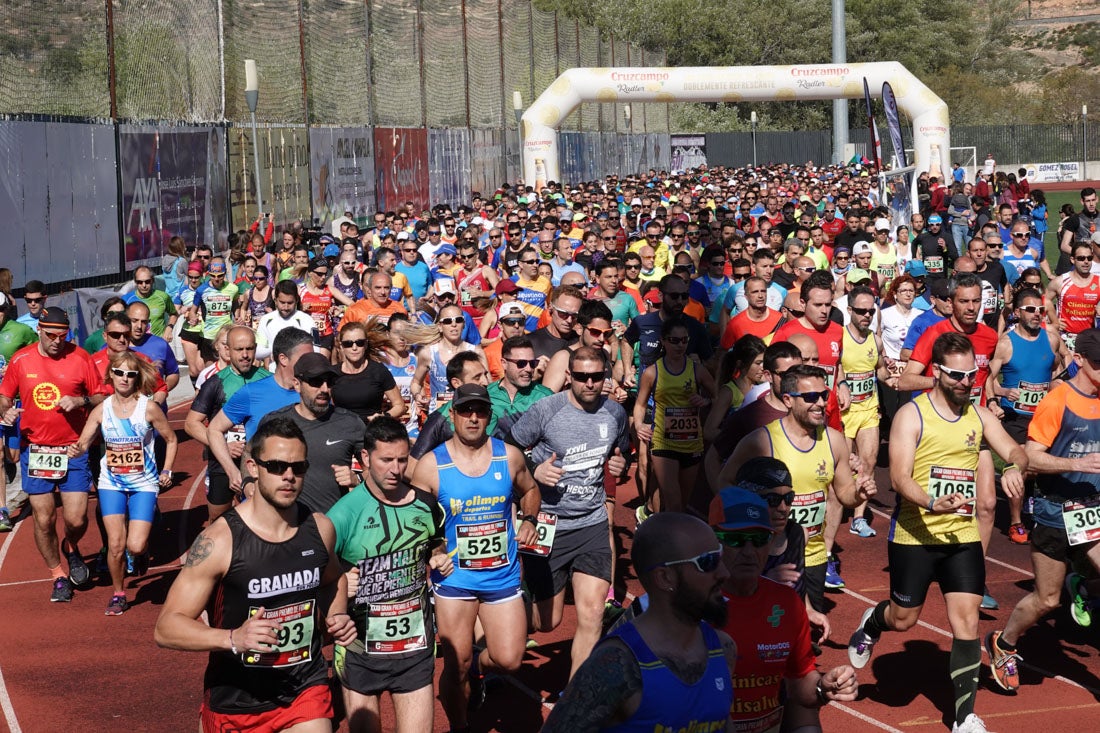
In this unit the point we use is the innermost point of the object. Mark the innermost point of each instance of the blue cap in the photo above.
(916, 268)
(935, 219)
(735, 509)
(447, 249)
(331, 250)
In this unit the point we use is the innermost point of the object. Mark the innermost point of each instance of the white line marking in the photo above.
(949, 635)
(5, 698)
(865, 718)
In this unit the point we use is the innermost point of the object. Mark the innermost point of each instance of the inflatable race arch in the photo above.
(931, 134)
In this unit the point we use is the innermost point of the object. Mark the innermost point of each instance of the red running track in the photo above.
(69, 667)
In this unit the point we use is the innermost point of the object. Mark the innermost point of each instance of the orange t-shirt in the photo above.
(741, 324)
(363, 309)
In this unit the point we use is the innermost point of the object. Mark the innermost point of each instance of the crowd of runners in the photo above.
(414, 428)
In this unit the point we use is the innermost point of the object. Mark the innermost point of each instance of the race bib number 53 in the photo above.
(395, 628)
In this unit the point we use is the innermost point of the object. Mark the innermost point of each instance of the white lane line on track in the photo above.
(183, 516)
(5, 698)
(985, 655)
(995, 561)
(865, 718)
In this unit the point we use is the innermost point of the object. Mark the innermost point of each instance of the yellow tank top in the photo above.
(676, 422)
(812, 473)
(946, 462)
(885, 263)
(859, 361)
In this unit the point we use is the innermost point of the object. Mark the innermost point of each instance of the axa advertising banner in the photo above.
(342, 167)
(449, 166)
(173, 184)
(284, 175)
(401, 167)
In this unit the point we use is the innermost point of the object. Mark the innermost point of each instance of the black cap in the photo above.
(763, 473)
(313, 365)
(938, 288)
(318, 263)
(54, 317)
(469, 394)
(1088, 344)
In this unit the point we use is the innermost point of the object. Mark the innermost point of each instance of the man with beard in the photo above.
(994, 282)
(666, 669)
(571, 436)
(817, 305)
(333, 435)
(965, 293)
(818, 457)
(264, 637)
(934, 446)
(1027, 358)
(769, 615)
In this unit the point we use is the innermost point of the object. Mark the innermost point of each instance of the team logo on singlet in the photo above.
(46, 396)
(971, 438)
(821, 469)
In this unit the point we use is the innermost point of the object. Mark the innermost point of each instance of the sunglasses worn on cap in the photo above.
(585, 377)
(958, 375)
(278, 467)
(739, 538)
(480, 409)
(348, 343)
(523, 363)
(128, 373)
(706, 562)
(811, 397)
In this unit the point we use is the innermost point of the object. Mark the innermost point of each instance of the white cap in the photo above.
(882, 225)
(861, 248)
(635, 201)
(444, 285)
(512, 310)
(402, 236)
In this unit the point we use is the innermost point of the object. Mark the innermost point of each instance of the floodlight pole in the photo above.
(752, 118)
(252, 97)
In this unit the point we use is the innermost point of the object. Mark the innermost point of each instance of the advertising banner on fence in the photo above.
(688, 151)
(449, 166)
(487, 159)
(401, 167)
(172, 185)
(1054, 172)
(342, 168)
(284, 175)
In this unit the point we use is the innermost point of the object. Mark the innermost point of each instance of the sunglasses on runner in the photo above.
(117, 334)
(863, 311)
(706, 562)
(958, 375)
(811, 397)
(348, 343)
(128, 373)
(456, 321)
(316, 382)
(278, 467)
(585, 377)
(775, 500)
(480, 409)
(1032, 308)
(736, 539)
(523, 363)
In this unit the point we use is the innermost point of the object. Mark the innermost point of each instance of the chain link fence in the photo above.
(399, 63)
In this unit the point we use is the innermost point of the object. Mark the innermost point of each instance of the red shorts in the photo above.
(313, 703)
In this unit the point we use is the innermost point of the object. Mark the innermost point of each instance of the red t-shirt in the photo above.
(741, 324)
(102, 359)
(828, 343)
(984, 340)
(772, 634)
(41, 382)
(831, 229)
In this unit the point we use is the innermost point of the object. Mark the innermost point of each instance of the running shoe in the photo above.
(861, 644)
(833, 581)
(5, 520)
(1004, 665)
(62, 591)
(860, 527)
(79, 573)
(101, 566)
(972, 724)
(1018, 534)
(989, 603)
(641, 514)
(117, 606)
(1079, 608)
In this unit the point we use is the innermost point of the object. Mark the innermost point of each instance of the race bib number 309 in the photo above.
(1082, 518)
